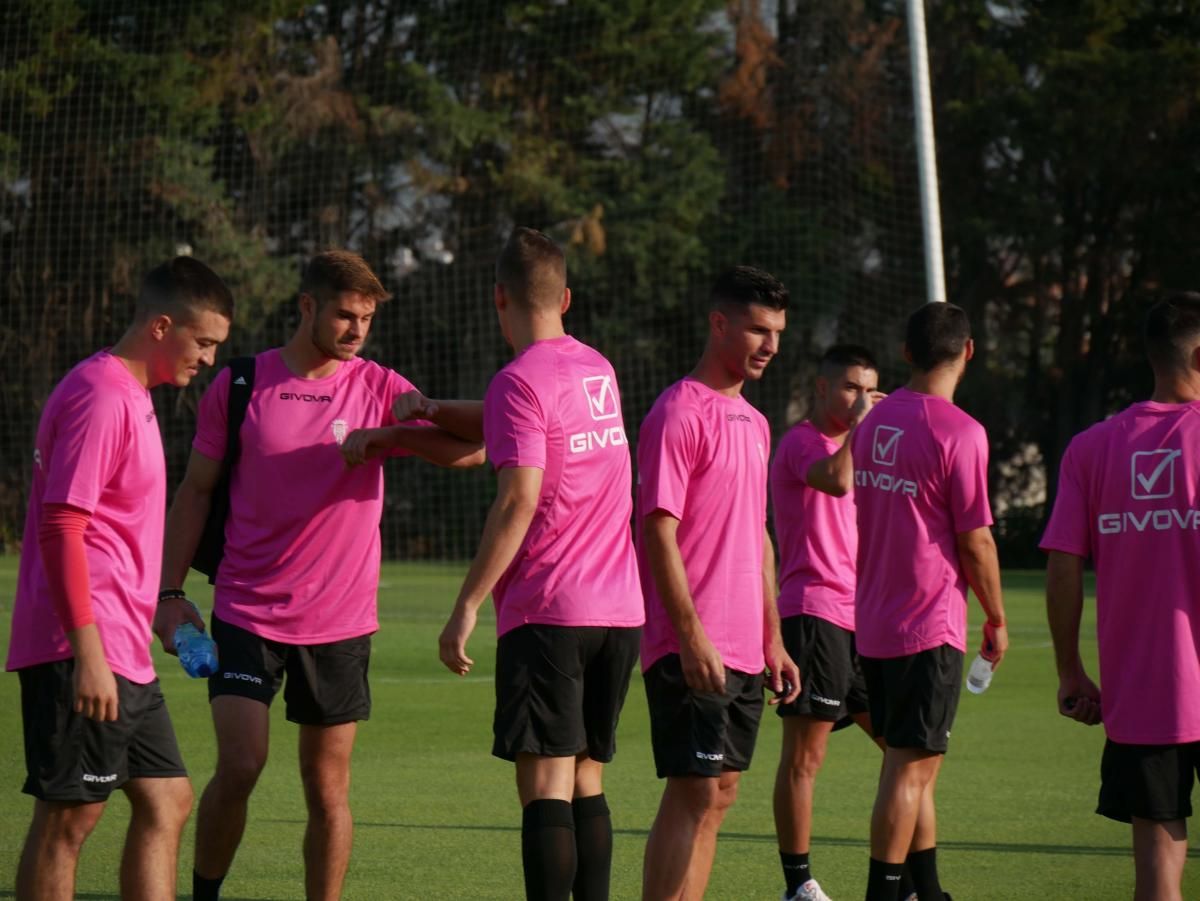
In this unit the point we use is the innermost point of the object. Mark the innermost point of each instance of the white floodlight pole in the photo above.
(931, 217)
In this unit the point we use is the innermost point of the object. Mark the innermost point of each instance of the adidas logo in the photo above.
(240, 380)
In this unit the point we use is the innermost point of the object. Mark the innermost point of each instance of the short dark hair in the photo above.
(742, 286)
(181, 288)
(334, 272)
(843, 356)
(936, 334)
(1171, 331)
(532, 268)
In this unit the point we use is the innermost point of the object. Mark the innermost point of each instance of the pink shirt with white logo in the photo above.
(920, 479)
(556, 407)
(817, 533)
(702, 458)
(302, 548)
(98, 448)
(1129, 498)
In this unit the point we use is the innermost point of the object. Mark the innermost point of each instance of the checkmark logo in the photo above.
(884, 444)
(602, 400)
(1153, 473)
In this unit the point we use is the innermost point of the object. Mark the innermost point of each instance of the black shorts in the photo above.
(71, 758)
(326, 683)
(701, 733)
(560, 689)
(914, 699)
(1150, 782)
(832, 684)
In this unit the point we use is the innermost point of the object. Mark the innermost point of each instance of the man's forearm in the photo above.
(505, 529)
(670, 578)
(461, 418)
(435, 445)
(981, 565)
(834, 475)
(1064, 608)
(184, 526)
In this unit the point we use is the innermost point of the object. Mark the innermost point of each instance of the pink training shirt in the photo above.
(1129, 498)
(702, 458)
(302, 550)
(817, 533)
(98, 448)
(920, 479)
(556, 407)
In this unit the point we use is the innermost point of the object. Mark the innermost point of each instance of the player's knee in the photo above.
(238, 775)
(67, 827)
(167, 807)
(806, 762)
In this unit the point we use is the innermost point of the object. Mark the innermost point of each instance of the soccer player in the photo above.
(920, 484)
(296, 591)
(812, 492)
(1128, 497)
(94, 716)
(708, 572)
(557, 556)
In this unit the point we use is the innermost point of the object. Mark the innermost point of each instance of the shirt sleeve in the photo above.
(1068, 529)
(212, 419)
(89, 440)
(667, 446)
(968, 486)
(514, 423)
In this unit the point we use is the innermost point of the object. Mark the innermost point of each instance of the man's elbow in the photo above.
(978, 544)
(470, 460)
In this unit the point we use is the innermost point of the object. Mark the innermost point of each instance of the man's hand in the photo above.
(862, 405)
(703, 668)
(95, 689)
(452, 643)
(782, 673)
(169, 616)
(995, 643)
(360, 445)
(414, 405)
(1079, 698)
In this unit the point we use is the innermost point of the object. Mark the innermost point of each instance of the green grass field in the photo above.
(437, 816)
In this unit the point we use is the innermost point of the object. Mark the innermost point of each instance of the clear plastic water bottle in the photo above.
(979, 676)
(197, 651)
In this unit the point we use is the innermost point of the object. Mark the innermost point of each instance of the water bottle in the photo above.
(979, 677)
(197, 652)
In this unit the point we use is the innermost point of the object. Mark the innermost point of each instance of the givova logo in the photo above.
(1151, 477)
(601, 398)
(1152, 474)
(884, 444)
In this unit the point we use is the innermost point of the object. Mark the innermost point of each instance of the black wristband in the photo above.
(172, 594)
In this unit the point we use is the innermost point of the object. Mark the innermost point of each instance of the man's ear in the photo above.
(970, 350)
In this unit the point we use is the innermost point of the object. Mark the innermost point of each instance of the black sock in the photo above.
(883, 881)
(923, 867)
(206, 889)
(907, 887)
(548, 849)
(795, 870)
(593, 848)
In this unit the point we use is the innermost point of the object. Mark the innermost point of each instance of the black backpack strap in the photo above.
(211, 548)
(241, 386)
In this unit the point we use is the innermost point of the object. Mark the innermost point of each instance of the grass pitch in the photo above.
(437, 817)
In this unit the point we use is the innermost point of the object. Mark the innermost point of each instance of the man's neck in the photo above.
(129, 351)
(712, 373)
(942, 381)
(1181, 388)
(827, 427)
(526, 332)
(305, 360)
